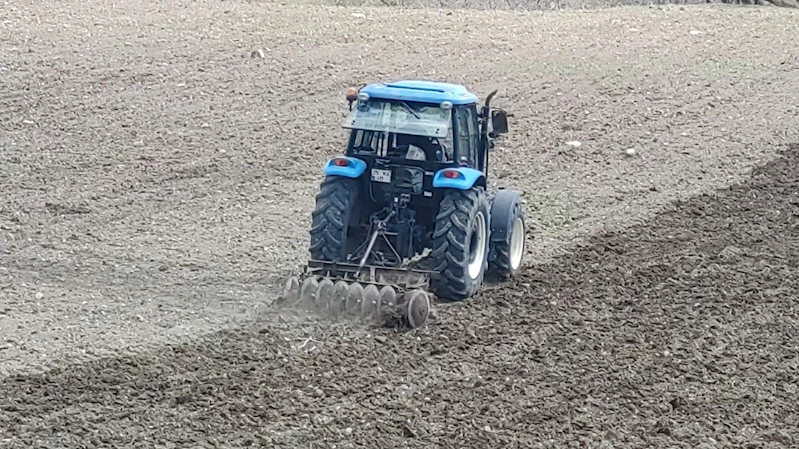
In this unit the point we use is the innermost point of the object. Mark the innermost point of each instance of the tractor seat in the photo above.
(418, 148)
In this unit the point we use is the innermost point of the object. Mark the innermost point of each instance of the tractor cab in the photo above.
(435, 123)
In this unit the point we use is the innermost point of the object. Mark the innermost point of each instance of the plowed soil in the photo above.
(156, 179)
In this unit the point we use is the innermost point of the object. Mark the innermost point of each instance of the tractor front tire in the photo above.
(331, 217)
(508, 236)
(460, 244)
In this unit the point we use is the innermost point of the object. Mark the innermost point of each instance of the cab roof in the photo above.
(421, 91)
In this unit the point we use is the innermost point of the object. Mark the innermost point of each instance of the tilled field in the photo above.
(155, 178)
(681, 332)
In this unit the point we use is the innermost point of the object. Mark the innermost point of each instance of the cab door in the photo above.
(468, 136)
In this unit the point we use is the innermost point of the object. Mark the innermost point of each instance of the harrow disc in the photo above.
(339, 304)
(354, 299)
(324, 295)
(387, 304)
(291, 291)
(370, 303)
(308, 293)
(417, 308)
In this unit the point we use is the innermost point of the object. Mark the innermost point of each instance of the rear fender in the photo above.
(506, 204)
(353, 169)
(468, 178)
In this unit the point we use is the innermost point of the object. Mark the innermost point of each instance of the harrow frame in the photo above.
(386, 295)
(350, 272)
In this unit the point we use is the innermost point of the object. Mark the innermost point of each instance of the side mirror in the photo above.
(499, 122)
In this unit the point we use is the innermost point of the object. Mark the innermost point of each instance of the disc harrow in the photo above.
(375, 295)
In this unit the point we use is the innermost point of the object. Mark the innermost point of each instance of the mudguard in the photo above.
(355, 168)
(468, 177)
(503, 210)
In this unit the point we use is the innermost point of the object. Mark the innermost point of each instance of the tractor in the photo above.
(406, 211)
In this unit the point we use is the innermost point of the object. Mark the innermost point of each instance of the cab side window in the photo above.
(468, 134)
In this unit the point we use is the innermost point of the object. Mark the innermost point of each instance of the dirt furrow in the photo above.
(679, 332)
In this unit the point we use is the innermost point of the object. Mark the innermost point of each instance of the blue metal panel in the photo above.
(465, 182)
(421, 91)
(354, 170)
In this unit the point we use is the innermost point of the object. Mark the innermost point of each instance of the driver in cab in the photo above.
(414, 147)
(417, 148)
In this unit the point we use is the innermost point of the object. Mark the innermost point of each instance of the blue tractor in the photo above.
(406, 210)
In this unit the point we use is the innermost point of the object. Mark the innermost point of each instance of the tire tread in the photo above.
(450, 246)
(330, 219)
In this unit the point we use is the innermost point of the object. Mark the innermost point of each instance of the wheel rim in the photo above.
(517, 243)
(477, 248)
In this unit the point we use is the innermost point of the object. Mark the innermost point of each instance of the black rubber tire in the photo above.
(501, 268)
(331, 217)
(452, 236)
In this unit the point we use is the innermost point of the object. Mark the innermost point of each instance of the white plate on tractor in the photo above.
(379, 175)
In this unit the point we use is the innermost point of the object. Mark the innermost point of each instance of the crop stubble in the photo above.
(155, 177)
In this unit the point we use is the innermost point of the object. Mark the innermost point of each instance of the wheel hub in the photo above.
(517, 243)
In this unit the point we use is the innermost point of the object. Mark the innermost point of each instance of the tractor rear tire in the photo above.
(460, 244)
(331, 217)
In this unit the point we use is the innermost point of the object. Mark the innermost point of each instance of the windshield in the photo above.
(400, 117)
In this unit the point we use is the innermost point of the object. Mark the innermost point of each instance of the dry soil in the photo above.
(155, 180)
